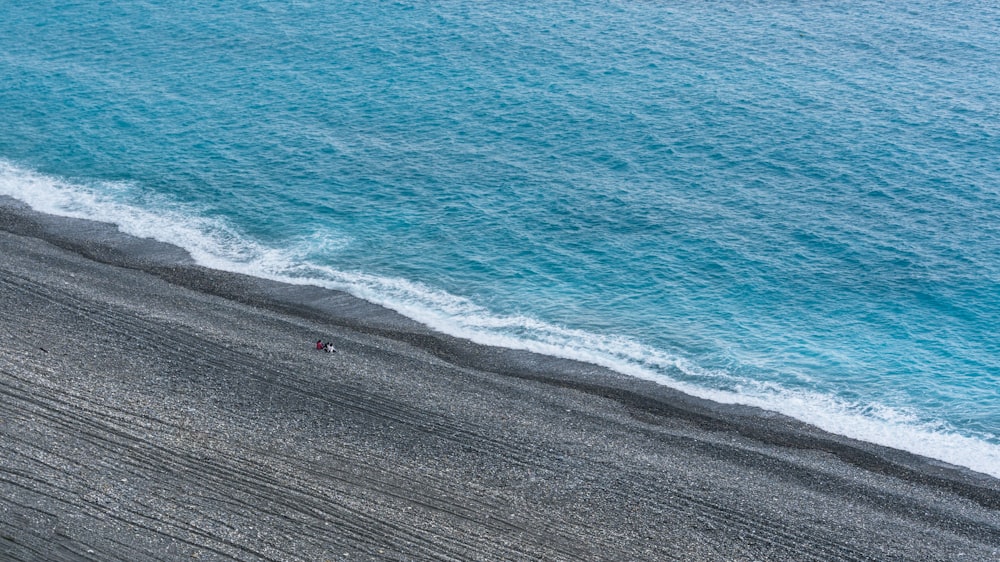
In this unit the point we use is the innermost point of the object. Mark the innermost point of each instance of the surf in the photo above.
(214, 243)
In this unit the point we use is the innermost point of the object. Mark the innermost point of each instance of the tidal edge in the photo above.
(221, 434)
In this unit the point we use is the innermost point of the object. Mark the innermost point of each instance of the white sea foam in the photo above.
(213, 243)
(209, 241)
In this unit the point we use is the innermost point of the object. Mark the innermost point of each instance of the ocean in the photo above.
(789, 205)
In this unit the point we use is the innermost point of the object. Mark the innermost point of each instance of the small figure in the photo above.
(319, 345)
(328, 347)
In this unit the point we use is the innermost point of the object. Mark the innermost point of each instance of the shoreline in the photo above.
(411, 419)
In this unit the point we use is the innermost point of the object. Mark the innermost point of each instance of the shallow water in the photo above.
(795, 207)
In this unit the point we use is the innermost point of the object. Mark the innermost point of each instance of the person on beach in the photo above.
(319, 345)
(328, 347)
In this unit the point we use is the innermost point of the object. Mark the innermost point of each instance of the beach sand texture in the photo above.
(151, 409)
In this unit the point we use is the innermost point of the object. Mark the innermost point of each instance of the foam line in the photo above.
(214, 243)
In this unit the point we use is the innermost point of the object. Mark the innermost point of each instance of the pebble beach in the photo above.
(153, 409)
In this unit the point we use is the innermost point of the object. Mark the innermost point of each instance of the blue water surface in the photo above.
(795, 206)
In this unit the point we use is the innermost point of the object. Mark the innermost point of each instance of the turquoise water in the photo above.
(785, 205)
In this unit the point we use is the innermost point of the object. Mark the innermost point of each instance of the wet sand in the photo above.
(151, 409)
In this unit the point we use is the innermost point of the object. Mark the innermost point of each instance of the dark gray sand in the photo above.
(154, 410)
